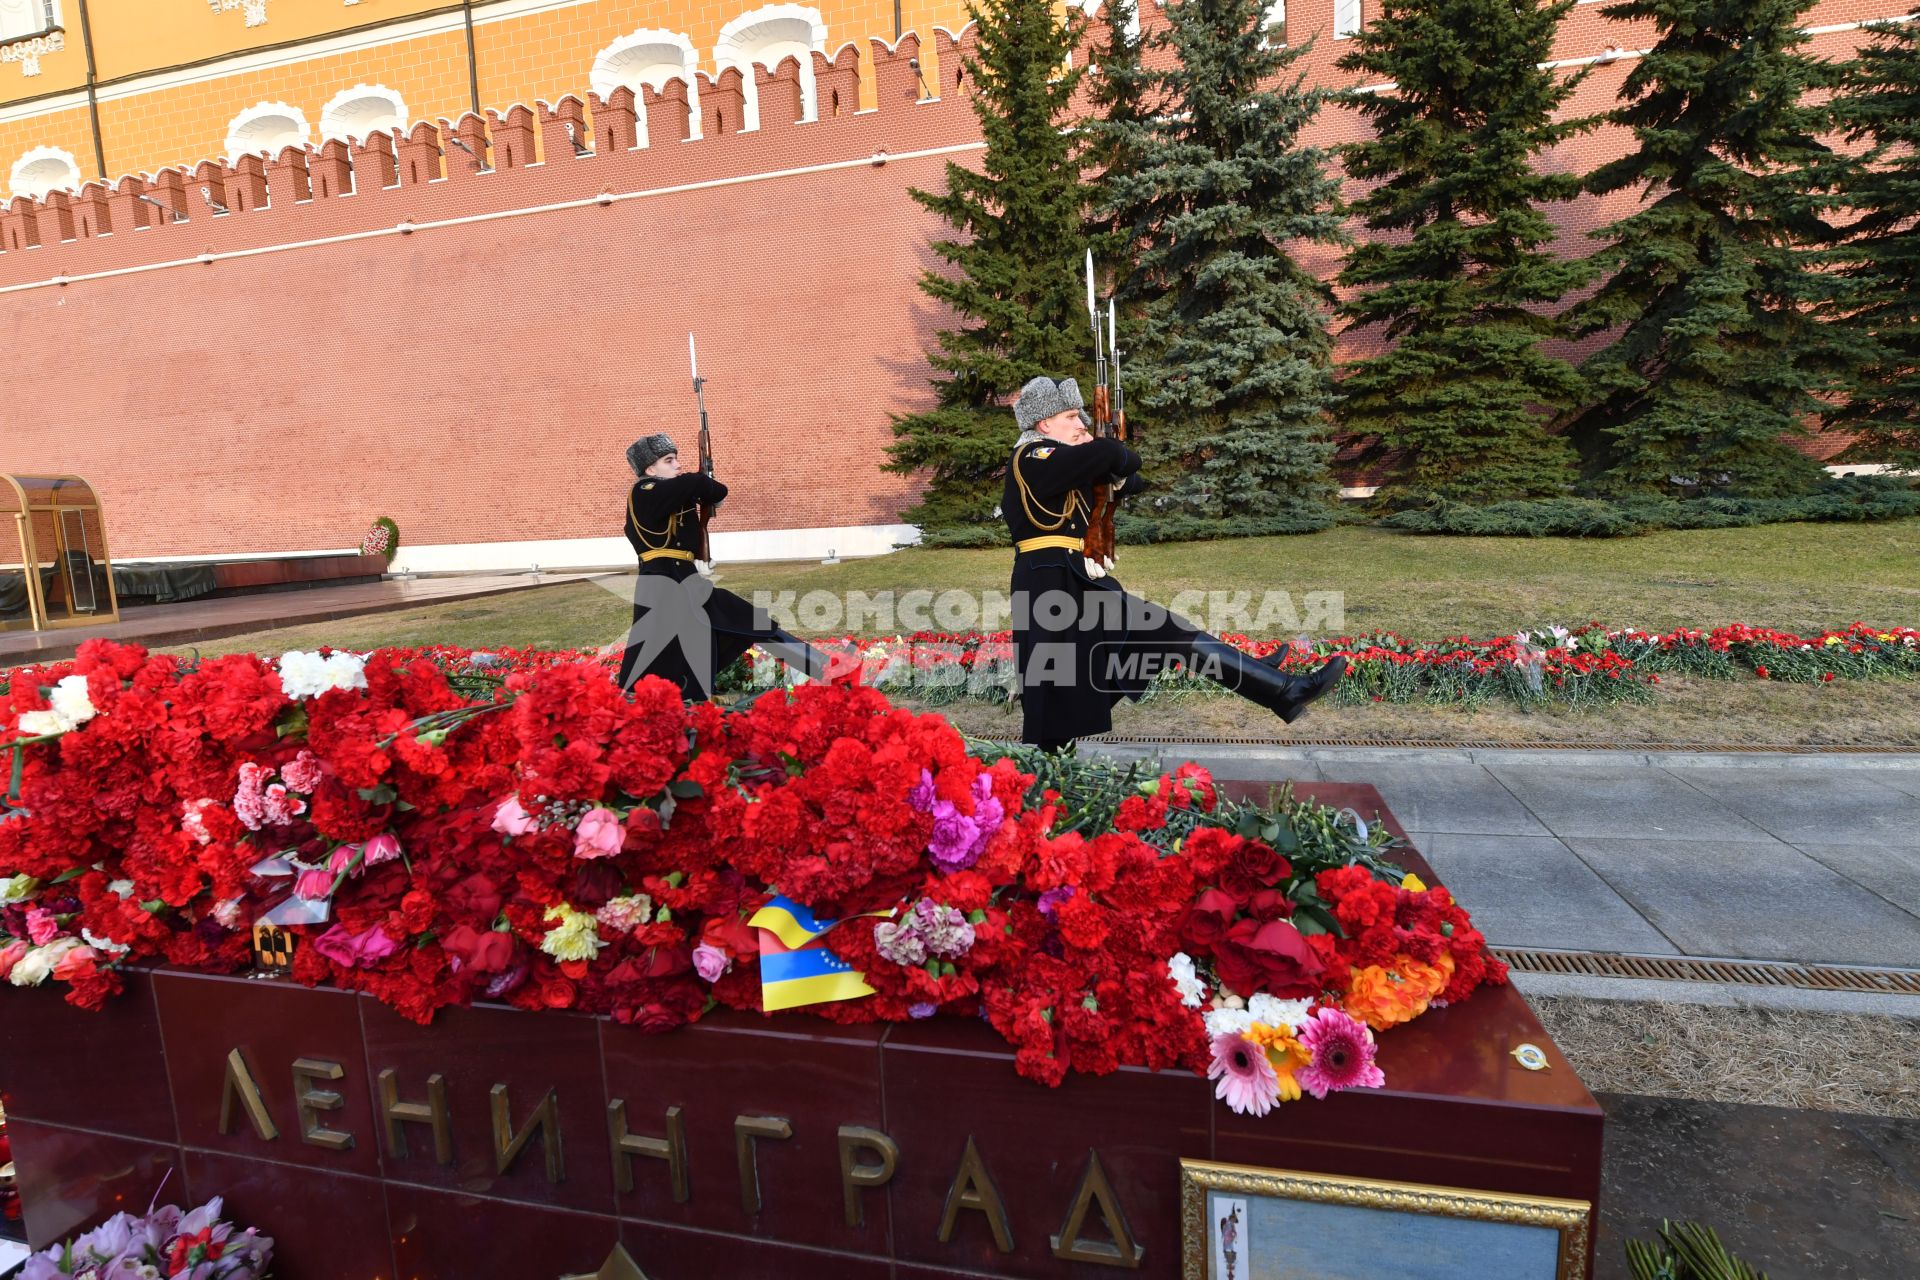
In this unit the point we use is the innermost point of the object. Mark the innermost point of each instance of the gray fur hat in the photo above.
(1041, 398)
(647, 450)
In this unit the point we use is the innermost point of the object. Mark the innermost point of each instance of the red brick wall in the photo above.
(478, 382)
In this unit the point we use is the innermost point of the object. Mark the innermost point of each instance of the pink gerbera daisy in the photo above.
(1247, 1079)
(1342, 1050)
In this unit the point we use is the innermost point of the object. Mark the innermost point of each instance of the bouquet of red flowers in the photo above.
(542, 838)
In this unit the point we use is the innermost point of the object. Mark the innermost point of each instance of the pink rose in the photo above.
(10, 955)
(710, 962)
(599, 835)
(41, 926)
(77, 963)
(512, 820)
(355, 950)
(313, 885)
(384, 847)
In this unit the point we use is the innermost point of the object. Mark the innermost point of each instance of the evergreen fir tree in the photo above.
(1879, 104)
(1716, 355)
(1457, 285)
(1014, 287)
(1235, 374)
(1115, 130)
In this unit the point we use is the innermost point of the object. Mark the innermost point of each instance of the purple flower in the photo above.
(922, 1010)
(956, 842)
(1052, 898)
(921, 797)
(508, 980)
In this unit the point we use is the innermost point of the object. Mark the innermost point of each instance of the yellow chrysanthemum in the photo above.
(575, 935)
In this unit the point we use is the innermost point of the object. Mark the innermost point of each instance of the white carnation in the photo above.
(70, 700)
(1271, 1012)
(1222, 1022)
(38, 724)
(1192, 990)
(106, 946)
(308, 675)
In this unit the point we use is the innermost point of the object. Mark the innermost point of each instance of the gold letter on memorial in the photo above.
(855, 1174)
(627, 1145)
(973, 1189)
(746, 1130)
(239, 1082)
(311, 1102)
(507, 1144)
(1095, 1189)
(431, 1112)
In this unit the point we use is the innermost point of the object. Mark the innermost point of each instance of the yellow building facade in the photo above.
(95, 89)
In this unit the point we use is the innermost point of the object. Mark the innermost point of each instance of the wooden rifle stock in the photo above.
(1100, 520)
(705, 513)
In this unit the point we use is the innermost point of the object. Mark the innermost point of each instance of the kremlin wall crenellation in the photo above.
(459, 319)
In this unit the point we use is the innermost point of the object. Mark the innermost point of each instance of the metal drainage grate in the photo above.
(1486, 744)
(1759, 973)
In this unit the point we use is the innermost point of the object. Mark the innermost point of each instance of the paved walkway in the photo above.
(195, 620)
(1812, 859)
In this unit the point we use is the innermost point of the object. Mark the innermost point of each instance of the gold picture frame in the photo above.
(1199, 1178)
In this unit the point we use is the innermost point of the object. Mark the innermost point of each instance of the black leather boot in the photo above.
(1261, 681)
(799, 655)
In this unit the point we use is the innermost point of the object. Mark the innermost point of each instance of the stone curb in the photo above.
(1718, 994)
(1832, 762)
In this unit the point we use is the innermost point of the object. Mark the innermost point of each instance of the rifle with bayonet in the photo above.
(1109, 420)
(705, 553)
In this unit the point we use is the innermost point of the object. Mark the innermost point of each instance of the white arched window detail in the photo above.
(361, 111)
(22, 18)
(44, 169)
(265, 128)
(765, 37)
(650, 58)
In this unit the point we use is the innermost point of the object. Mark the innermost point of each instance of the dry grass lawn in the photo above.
(1809, 1061)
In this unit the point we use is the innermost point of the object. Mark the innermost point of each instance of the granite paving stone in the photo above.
(1812, 804)
(1462, 799)
(1532, 891)
(1888, 870)
(1619, 803)
(1755, 899)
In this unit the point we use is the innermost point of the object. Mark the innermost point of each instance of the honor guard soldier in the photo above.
(1081, 641)
(685, 629)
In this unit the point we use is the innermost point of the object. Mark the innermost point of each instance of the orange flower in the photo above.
(1430, 978)
(1285, 1053)
(1381, 998)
